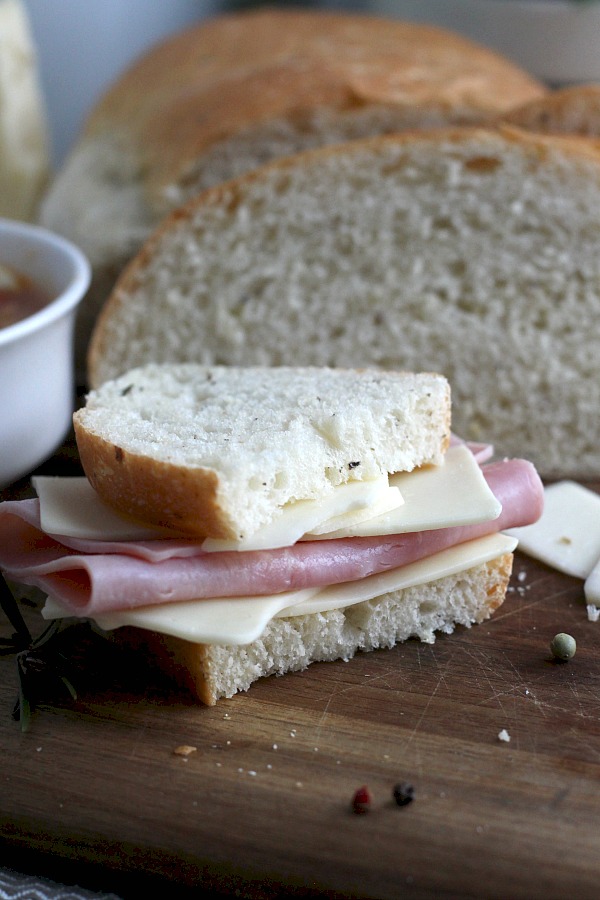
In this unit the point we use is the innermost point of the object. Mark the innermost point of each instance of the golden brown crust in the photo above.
(236, 71)
(185, 664)
(574, 110)
(153, 492)
(499, 572)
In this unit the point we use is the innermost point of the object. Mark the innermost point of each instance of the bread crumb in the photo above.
(593, 612)
(184, 750)
(503, 735)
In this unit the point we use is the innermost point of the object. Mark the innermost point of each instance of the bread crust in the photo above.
(235, 71)
(571, 111)
(179, 499)
(238, 90)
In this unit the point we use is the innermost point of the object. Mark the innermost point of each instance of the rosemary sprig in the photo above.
(40, 664)
(21, 638)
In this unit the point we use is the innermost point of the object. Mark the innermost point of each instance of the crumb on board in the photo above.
(504, 735)
(184, 750)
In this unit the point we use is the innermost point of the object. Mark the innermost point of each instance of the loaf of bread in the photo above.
(241, 89)
(470, 252)
(213, 671)
(219, 451)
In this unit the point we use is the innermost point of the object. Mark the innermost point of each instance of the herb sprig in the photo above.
(41, 666)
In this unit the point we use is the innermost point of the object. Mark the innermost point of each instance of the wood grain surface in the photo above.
(262, 806)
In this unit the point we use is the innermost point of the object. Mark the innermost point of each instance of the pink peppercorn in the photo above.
(361, 802)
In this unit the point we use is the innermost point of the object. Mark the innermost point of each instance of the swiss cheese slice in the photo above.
(241, 620)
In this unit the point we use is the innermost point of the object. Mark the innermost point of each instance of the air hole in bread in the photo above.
(482, 164)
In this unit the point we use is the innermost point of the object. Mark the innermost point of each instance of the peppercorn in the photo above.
(361, 802)
(563, 646)
(404, 793)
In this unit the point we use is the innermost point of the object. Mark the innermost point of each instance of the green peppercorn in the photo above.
(563, 646)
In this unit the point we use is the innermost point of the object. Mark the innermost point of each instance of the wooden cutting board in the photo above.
(95, 792)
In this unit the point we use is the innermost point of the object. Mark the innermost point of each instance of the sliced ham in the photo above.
(91, 577)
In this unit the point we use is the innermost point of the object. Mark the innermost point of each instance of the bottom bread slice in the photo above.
(290, 644)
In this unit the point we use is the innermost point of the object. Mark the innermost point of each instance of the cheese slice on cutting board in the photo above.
(567, 535)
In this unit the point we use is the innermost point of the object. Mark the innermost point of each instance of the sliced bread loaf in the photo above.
(474, 253)
(238, 90)
(218, 451)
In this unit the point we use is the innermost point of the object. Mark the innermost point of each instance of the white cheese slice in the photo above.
(567, 535)
(455, 493)
(224, 620)
(70, 507)
(242, 620)
(351, 498)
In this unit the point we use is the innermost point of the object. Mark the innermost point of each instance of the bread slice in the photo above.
(218, 451)
(290, 644)
(474, 253)
(238, 90)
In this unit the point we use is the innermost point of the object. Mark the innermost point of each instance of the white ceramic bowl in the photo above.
(37, 389)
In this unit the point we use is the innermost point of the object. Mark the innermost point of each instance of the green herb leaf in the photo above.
(40, 663)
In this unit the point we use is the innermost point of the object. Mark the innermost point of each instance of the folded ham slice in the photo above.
(92, 577)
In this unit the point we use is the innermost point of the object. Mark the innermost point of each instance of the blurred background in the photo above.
(84, 44)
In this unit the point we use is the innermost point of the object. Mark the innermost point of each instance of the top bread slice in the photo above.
(218, 451)
(470, 252)
(241, 89)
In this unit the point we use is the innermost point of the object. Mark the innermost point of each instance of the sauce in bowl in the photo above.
(20, 297)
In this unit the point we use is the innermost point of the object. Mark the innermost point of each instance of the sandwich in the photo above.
(237, 90)
(468, 252)
(241, 522)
